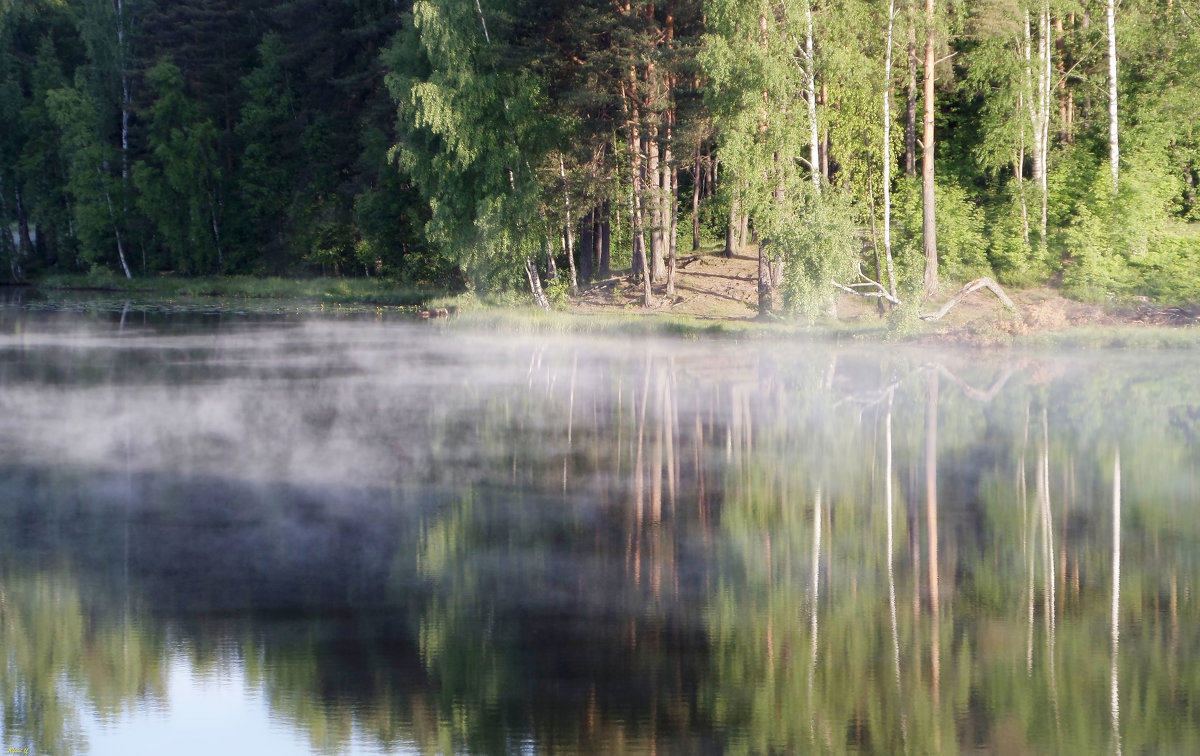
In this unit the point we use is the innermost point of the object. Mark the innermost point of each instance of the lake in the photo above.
(289, 535)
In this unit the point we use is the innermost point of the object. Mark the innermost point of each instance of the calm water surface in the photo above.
(258, 535)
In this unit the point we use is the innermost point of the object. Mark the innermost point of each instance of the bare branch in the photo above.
(880, 292)
(976, 285)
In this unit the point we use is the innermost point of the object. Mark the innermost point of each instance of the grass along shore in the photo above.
(717, 302)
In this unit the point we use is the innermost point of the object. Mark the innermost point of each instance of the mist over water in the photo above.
(347, 536)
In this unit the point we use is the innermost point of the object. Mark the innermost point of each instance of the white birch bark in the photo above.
(570, 235)
(1114, 150)
(810, 72)
(1045, 46)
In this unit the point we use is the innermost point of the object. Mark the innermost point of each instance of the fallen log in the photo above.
(976, 285)
(870, 288)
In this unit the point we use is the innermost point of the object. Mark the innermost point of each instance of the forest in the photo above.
(885, 147)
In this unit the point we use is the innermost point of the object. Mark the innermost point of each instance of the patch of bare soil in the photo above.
(712, 286)
(706, 286)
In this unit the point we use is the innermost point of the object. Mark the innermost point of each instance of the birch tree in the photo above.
(928, 212)
(1114, 150)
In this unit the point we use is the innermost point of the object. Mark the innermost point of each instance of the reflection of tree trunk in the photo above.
(931, 521)
(1050, 596)
(639, 482)
(887, 483)
(670, 432)
(1115, 693)
(570, 418)
(656, 458)
(698, 463)
(816, 588)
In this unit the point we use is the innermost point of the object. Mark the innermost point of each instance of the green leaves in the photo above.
(180, 181)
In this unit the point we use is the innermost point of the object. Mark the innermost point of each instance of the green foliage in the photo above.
(268, 149)
(961, 224)
(558, 292)
(90, 188)
(1167, 270)
(1108, 239)
(180, 181)
(1014, 261)
(818, 245)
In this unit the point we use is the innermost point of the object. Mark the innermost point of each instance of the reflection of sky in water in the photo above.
(212, 712)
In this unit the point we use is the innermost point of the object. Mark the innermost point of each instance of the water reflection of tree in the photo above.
(1007, 566)
(674, 554)
(63, 655)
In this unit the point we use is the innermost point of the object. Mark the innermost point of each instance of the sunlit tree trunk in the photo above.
(887, 154)
(810, 73)
(673, 232)
(638, 172)
(731, 232)
(1114, 151)
(1037, 92)
(697, 180)
(928, 215)
(535, 284)
(654, 176)
(570, 226)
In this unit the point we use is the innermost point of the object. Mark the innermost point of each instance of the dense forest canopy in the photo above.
(514, 144)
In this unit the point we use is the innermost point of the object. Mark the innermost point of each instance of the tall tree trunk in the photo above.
(126, 92)
(673, 232)
(1037, 91)
(887, 153)
(24, 242)
(638, 171)
(711, 183)
(570, 226)
(604, 240)
(112, 216)
(1114, 150)
(810, 73)
(1060, 46)
(928, 215)
(910, 99)
(667, 199)
(1070, 92)
(825, 138)
(654, 192)
(587, 245)
(698, 175)
(731, 232)
(1019, 173)
(548, 247)
(535, 284)
(1047, 97)
(766, 291)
